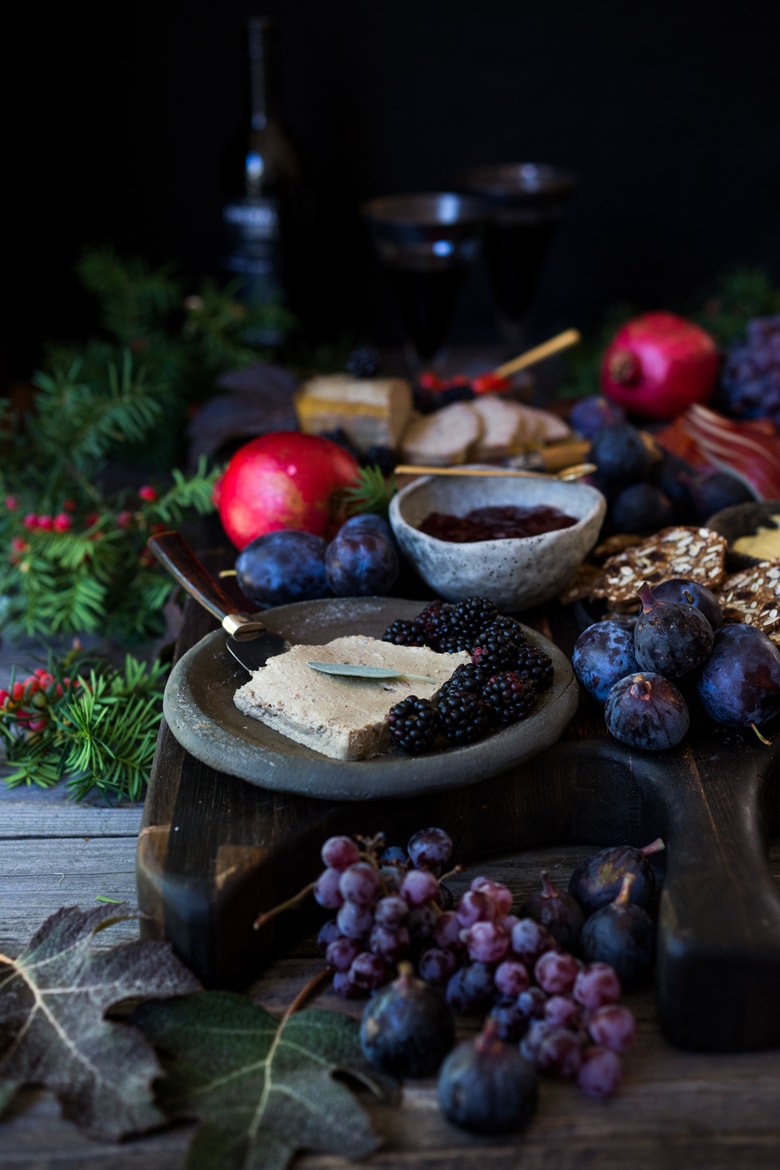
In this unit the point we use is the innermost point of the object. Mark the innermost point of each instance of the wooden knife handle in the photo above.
(176, 555)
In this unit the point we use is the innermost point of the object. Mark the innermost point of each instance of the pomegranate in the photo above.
(659, 364)
(284, 479)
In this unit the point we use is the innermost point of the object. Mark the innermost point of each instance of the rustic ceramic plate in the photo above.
(199, 709)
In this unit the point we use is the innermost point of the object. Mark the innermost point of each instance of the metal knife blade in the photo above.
(248, 639)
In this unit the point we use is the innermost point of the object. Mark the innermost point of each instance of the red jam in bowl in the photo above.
(495, 522)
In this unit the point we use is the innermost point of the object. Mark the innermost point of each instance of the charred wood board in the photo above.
(215, 851)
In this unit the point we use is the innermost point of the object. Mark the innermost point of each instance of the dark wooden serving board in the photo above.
(214, 851)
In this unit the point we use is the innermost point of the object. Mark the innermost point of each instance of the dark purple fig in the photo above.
(670, 638)
(597, 880)
(621, 934)
(558, 911)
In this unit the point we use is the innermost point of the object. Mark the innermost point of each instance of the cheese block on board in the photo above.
(370, 411)
(342, 717)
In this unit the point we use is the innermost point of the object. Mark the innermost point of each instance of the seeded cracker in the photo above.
(696, 553)
(752, 596)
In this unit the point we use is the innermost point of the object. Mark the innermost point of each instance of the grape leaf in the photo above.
(262, 1087)
(53, 1027)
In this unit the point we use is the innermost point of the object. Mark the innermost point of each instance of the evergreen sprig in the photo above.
(85, 723)
(83, 567)
(75, 549)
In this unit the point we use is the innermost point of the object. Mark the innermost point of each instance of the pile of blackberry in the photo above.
(750, 376)
(498, 687)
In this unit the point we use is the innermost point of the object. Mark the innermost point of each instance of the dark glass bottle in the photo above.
(257, 217)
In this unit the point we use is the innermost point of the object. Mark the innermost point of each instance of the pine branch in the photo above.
(95, 729)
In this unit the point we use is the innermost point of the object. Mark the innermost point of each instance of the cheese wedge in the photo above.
(342, 717)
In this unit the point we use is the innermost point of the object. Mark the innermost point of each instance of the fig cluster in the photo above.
(650, 671)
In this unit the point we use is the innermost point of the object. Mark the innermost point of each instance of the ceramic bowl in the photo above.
(516, 573)
(745, 520)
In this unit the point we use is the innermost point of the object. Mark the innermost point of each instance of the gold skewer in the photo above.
(575, 471)
(555, 344)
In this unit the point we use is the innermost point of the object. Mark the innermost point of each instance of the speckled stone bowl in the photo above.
(517, 574)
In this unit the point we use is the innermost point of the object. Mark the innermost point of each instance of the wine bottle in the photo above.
(257, 217)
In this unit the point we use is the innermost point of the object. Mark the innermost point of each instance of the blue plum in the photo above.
(282, 566)
(362, 559)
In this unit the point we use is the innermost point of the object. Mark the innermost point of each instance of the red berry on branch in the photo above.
(148, 493)
(62, 522)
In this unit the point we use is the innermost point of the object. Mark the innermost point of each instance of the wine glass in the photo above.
(426, 243)
(524, 204)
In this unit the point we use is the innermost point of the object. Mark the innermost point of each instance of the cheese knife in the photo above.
(249, 641)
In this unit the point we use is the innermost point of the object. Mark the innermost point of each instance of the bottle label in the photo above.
(252, 241)
(253, 252)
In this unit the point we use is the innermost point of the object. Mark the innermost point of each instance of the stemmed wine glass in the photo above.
(426, 243)
(524, 204)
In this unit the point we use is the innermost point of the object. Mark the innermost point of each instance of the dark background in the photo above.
(116, 123)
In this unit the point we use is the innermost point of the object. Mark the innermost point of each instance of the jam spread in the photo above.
(495, 522)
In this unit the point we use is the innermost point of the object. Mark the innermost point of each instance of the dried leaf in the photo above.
(53, 1028)
(359, 670)
(262, 1087)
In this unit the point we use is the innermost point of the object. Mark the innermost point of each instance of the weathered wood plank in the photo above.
(37, 877)
(680, 1109)
(26, 819)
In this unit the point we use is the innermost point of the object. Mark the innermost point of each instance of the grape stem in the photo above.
(290, 904)
(305, 993)
(758, 733)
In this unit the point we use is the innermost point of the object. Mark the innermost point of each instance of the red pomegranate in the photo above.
(284, 479)
(659, 364)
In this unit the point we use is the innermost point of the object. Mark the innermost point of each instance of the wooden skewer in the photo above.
(555, 344)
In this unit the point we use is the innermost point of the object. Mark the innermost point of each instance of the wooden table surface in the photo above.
(676, 1108)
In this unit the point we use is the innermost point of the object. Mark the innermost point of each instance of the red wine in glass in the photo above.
(426, 244)
(427, 296)
(524, 206)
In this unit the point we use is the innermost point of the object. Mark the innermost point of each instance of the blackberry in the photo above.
(436, 620)
(750, 376)
(497, 647)
(402, 632)
(508, 625)
(474, 614)
(380, 456)
(364, 362)
(534, 663)
(464, 716)
(465, 677)
(414, 725)
(453, 638)
(511, 696)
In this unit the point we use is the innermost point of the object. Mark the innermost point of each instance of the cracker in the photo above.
(752, 596)
(586, 584)
(698, 554)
